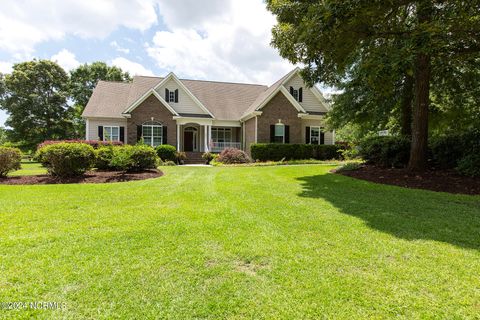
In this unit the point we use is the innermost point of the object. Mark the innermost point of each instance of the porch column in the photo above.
(205, 138)
(178, 137)
(209, 136)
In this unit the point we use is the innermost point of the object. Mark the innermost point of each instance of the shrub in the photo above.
(168, 163)
(103, 158)
(233, 155)
(67, 159)
(469, 165)
(134, 158)
(448, 149)
(390, 151)
(180, 156)
(277, 151)
(208, 156)
(166, 152)
(94, 143)
(350, 166)
(9, 160)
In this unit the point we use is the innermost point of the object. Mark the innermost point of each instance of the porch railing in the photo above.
(219, 146)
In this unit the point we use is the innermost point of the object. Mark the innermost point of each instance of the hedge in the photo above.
(9, 160)
(66, 159)
(385, 151)
(277, 151)
(166, 152)
(94, 143)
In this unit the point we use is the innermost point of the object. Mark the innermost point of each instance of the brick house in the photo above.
(199, 116)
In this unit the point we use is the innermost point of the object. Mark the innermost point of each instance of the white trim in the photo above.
(151, 127)
(256, 129)
(333, 137)
(178, 137)
(292, 100)
(319, 134)
(171, 75)
(87, 128)
(251, 115)
(143, 98)
(187, 120)
(226, 123)
(311, 116)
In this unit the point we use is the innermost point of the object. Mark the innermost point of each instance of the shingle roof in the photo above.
(225, 100)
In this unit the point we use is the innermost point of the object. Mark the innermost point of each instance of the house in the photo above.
(199, 116)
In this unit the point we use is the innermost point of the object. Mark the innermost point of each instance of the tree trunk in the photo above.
(406, 106)
(418, 151)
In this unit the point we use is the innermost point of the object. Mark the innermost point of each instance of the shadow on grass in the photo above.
(405, 213)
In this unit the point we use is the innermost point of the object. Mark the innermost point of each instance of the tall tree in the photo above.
(329, 37)
(82, 82)
(35, 100)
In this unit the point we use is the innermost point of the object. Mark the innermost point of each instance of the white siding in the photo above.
(93, 124)
(316, 123)
(185, 103)
(309, 101)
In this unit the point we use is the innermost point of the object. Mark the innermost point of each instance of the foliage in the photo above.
(180, 156)
(469, 165)
(104, 157)
(233, 155)
(209, 156)
(9, 160)
(389, 151)
(82, 82)
(35, 99)
(94, 143)
(277, 152)
(134, 158)
(349, 166)
(67, 159)
(166, 152)
(448, 149)
(369, 49)
(3, 136)
(168, 163)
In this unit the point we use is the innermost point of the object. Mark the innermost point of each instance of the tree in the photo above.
(35, 99)
(331, 37)
(82, 82)
(3, 136)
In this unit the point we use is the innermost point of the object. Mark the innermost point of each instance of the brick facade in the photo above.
(149, 108)
(279, 108)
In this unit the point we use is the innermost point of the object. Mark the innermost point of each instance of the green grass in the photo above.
(284, 242)
(29, 169)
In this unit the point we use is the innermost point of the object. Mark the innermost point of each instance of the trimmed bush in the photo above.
(390, 151)
(134, 158)
(9, 160)
(277, 151)
(208, 156)
(233, 155)
(67, 159)
(94, 143)
(447, 150)
(103, 158)
(166, 152)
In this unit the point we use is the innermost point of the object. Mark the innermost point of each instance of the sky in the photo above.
(224, 40)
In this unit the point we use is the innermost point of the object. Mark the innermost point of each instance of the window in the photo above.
(221, 134)
(152, 133)
(295, 94)
(279, 133)
(111, 133)
(316, 135)
(171, 97)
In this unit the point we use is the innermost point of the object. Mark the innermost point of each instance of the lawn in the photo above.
(29, 169)
(283, 242)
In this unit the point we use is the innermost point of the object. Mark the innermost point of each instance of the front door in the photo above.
(188, 141)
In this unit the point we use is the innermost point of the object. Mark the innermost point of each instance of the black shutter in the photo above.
(307, 135)
(167, 95)
(164, 135)
(139, 132)
(272, 133)
(176, 95)
(300, 94)
(322, 137)
(100, 133)
(291, 91)
(122, 134)
(287, 134)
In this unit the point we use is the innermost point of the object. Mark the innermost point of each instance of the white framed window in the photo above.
(279, 133)
(152, 133)
(315, 135)
(295, 94)
(221, 134)
(111, 133)
(171, 97)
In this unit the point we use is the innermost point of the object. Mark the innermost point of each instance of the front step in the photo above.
(194, 158)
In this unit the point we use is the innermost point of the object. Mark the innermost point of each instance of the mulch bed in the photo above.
(89, 177)
(435, 180)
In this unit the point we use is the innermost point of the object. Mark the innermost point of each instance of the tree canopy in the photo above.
(371, 48)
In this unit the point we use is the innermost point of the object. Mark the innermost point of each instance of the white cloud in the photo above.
(66, 60)
(132, 67)
(114, 44)
(27, 23)
(223, 40)
(5, 67)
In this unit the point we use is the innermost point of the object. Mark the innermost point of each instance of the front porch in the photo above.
(197, 137)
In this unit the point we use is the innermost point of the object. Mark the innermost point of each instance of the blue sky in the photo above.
(226, 40)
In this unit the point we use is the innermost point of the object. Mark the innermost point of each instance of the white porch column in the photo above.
(178, 137)
(205, 138)
(209, 136)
